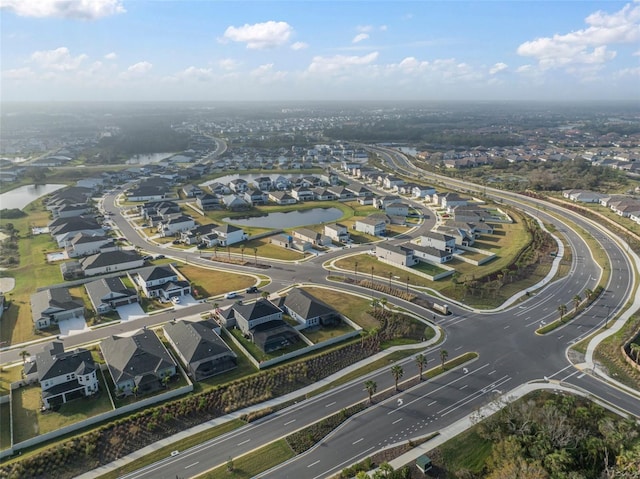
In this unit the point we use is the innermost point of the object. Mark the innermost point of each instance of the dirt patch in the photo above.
(7, 284)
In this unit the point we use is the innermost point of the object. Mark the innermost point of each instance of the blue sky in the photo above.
(206, 50)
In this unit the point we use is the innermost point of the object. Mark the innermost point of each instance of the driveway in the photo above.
(72, 326)
(130, 311)
(186, 300)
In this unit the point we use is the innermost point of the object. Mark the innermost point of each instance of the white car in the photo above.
(175, 300)
(230, 295)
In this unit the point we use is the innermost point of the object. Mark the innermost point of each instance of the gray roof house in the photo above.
(200, 348)
(262, 321)
(307, 310)
(110, 262)
(137, 363)
(106, 294)
(53, 305)
(63, 375)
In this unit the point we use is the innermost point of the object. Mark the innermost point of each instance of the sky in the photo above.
(314, 50)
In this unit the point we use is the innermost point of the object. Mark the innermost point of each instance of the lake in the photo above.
(291, 219)
(21, 197)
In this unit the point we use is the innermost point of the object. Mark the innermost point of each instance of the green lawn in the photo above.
(253, 463)
(323, 333)
(466, 451)
(29, 421)
(353, 307)
(8, 376)
(5, 430)
(211, 282)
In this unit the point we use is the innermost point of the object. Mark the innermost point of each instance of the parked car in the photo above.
(252, 289)
(231, 295)
(177, 241)
(147, 258)
(175, 300)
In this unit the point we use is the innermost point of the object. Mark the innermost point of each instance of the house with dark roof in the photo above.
(161, 282)
(208, 201)
(176, 225)
(395, 254)
(307, 310)
(375, 225)
(51, 306)
(111, 261)
(138, 363)
(194, 235)
(250, 315)
(83, 244)
(229, 234)
(63, 375)
(106, 294)
(200, 348)
(63, 229)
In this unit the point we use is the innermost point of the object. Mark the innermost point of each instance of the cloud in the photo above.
(588, 46)
(409, 66)
(497, 68)
(74, 9)
(136, 70)
(18, 74)
(299, 46)
(360, 37)
(198, 74)
(339, 63)
(266, 74)
(59, 59)
(229, 64)
(260, 35)
(111, 56)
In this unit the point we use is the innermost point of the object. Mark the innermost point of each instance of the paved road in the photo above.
(509, 354)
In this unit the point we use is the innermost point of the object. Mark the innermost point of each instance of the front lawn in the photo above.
(212, 282)
(323, 333)
(353, 307)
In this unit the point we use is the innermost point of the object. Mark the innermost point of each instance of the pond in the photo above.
(290, 219)
(21, 197)
(149, 158)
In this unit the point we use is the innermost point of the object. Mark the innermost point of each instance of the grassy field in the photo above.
(353, 307)
(211, 282)
(29, 421)
(324, 333)
(5, 430)
(8, 376)
(181, 445)
(466, 451)
(254, 463)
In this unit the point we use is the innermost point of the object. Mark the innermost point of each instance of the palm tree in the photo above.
(562, 309)
(264, 295)
(383, 302)
(371, 386)
(421, 361)
(375, 304)
(135, 391)
(390, 275)
(215, 250)
(588, 294)
(635, 350)
(397, 372)
(576, 301)
(228, 252)
(355, 272)
(165, 381)
(24, 354)
(444, 354)
(255, 256)
(242, 254)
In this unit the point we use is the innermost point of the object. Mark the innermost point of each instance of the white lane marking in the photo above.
(243, 442)
(396, 421)
(356, 442)
(330, 404)
(431, 403)
(289, 422)
(191, 465)
(314, 463)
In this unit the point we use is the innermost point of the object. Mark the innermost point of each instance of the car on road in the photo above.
(147, 258)
(160, 256)
(252, 289)
(174, 453)
(231, 295)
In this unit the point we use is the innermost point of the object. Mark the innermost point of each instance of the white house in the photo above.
(397, 209)
(420, 191)
(337, 232)
(229, 234)
(173, 226)
(438, 241)
(83, 244)
(431, 255)
(161, 282)
(110, 262)
(374, 225)
(395, 254)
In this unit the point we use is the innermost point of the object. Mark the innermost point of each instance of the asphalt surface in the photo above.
(510, 354)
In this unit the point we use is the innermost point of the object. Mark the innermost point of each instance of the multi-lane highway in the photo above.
(510, 354)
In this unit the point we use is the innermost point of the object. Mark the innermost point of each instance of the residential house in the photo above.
(63, 375)
(341, 192)
(63, 229)
(420, 191)
(66, 210)
(229, 234)
(83, 244)
(147, 193)
(448, 199)
(310, 236)
(397, 209)
(359, 191)
(50, 306)
(106, 294)
(162, 282)
(174, 226)
(282, 240)
(207, 202)
(262, 322)
(263, 183)
(375, 225)
(337, 232)
(219, 189)
(281, 198)
(235, 203)
(138, 364)
(430, 254)
(194, 235)
(254, 197)
(438, 241)
(307, 310)
(110, 262)
(322, 194)
(381, 202)
(302, 193)
(582, 196)
(395, 254)
(392, 182)
(238, 185)
(200, 348)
